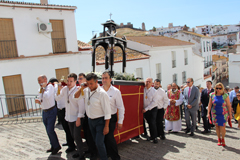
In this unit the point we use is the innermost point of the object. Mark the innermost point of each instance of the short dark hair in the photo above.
(238, 92)
(107, 72)
(209, 81)
(157, 80)
(52, 80)
(191, 79)
(236, 87)
(91, 76)
(72, 75)
(82, 74)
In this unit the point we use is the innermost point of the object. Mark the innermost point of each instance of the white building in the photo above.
(202, 46)
(170, 60)
(234, 70)
(27, 50)
(166, 31)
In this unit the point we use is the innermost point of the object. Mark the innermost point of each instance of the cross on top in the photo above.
(110, 15)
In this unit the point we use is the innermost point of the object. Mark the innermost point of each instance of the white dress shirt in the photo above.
(60, 103)
(97, 103)
(149, 98)
(178, 102)
(116, 103)
(75, 108)
(47, 97)
(161, 99)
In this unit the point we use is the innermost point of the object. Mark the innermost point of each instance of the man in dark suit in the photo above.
(205, 100)
(191, 100)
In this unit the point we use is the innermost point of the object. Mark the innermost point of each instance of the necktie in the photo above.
(189, 92)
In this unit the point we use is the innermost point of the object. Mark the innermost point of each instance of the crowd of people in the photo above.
(98, 110)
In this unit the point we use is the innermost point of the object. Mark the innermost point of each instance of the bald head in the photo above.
(148, 82)
(42, 79)
(174, 86)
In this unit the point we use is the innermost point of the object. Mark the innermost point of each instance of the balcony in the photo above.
(8, 49)
(208, 64)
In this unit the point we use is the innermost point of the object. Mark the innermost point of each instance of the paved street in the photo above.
(28, 140)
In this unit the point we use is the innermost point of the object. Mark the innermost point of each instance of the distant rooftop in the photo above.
(195, 34)
(158, 41)
(35, 5)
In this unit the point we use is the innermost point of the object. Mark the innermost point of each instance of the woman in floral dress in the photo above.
(221, 110)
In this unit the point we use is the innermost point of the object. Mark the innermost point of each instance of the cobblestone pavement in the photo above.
(28, 140)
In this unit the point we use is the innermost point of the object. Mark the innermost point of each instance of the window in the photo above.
(139, 73)
(185, 57)
(175, 78)
(62, 72)
(58, 36)
(204, 46)
(184, 77)
(207, 45)
(210, 46)
(12, 86)
(158, 71)
(8, 47)
(173, 59)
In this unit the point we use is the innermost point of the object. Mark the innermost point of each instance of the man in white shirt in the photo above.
(162, 103)
(98, 110)
(75, 111)
(92, 149)
(61, 117)
(172, 115)
(49, 114)
(116, 104)
(150, 108)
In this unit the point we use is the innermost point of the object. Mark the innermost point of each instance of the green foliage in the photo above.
(214, 45)
(154, 29)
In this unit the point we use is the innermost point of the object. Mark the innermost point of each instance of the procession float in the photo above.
(132, 91)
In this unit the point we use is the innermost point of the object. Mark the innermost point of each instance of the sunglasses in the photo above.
(188, 82)
(238, 95)
(80, 78)
(218, 88)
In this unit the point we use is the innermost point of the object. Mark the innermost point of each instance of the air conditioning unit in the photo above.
(44, 27)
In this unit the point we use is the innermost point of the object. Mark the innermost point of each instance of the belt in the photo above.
(49, 109)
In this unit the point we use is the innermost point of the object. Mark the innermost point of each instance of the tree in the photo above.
(214, 45)
(154, 29)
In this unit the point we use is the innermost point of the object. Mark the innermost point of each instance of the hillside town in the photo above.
(165, 66)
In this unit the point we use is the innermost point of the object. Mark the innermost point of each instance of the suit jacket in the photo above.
(205, 97)
(235, 104)
(193, 100)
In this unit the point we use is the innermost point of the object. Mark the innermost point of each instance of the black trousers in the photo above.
(88, 136)
(151, 116)
(206, 124)
(76, 134)
(159, 122)
(110, 142)
(69, 138)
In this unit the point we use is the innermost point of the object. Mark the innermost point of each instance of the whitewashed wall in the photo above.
(29, 40)
(234, 69)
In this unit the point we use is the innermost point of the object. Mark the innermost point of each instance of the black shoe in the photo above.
(76, 155)
(204, 132)
(49, 150)
(187, 131)
(93, 157)
(155, 140)
(162, 137)
(64, 144)
(55, 151)
(70, 149)
(192, 134)
(58, 123)
(82, 157)
(146, 137)
(196, 127)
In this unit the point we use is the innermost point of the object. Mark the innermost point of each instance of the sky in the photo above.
(91, 13)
